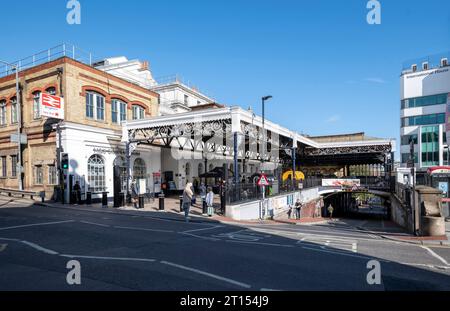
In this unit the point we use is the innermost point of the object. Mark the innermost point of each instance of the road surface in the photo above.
(159, 251)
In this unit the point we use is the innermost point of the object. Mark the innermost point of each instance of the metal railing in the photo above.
(48, 55)
(403, 192)
(242, 193)
(22, 193)
(434, 61)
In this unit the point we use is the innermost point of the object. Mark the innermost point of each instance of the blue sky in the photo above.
(328, 70)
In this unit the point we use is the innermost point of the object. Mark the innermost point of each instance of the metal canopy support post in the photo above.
(127, 157)
(235, 166)
(294, 169)
(60, 150)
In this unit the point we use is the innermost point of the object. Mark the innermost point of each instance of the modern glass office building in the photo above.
(424, 116)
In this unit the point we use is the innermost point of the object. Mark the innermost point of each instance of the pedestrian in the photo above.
(298, 209)
(77, 190)
(203, 197)
(210, 201)
(289, 212)
(187, 200)
(134, 194)
(330, 211)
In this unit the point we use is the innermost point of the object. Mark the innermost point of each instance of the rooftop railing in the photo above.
(48, 55)
(431, 62)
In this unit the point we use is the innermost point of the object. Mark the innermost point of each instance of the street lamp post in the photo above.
(263, 100)
(19, 123)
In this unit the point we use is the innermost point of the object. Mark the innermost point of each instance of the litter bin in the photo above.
(104, 199)
(141, 201)
(88, 198)
(118, 199)
(161, 202)
(181, 203)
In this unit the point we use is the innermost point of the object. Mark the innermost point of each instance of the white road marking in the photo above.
(144, 229)
(339, 243)
(94, 224)
(109, 258)
(425, 265)
(317, 232)
(242, 235)
(339, 253)
(40, 248)
(260, 243)
(214, 276)
(270, 290)
(195, 230)
(436, 255)
(38, 224)
(200, 237)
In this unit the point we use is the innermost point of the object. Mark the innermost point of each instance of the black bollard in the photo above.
(161, 202)
(204, 206)
(141, 202)
(88, 198)
(181, 203)
(121, 199)
(104, 199)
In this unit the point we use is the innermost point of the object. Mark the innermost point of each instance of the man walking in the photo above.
(77, 190)
(187, 200)
(298, 209)
(330, 212)
(210, 201)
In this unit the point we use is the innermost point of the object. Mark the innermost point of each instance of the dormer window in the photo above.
(425, 66)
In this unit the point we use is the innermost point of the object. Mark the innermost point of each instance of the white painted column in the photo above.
(441, 144)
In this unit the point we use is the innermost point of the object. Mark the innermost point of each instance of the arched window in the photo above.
(96, 173)
(118, 111)
(200, 169)
(14, 115)
(138, 112)
(211, 167)
(3, 112)
(95, 106)
(36, 105)
(188, 169)
(139, 169)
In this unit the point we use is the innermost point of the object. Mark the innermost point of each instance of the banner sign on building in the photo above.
(341, 182)
(52, 106)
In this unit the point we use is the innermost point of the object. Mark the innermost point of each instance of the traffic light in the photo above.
(64, 161)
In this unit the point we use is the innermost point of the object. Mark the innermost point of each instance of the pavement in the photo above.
(134, 250)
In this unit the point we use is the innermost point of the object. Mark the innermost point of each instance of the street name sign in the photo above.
(52, 106)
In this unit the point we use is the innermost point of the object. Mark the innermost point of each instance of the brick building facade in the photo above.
(94, 101)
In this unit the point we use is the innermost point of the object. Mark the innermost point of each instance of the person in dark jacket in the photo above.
(77, 192)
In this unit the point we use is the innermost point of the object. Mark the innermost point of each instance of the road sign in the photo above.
(263, 181)
(15, 138)
(410, 164)
(52, 106)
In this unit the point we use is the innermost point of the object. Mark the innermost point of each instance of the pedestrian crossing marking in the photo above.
(330, 242)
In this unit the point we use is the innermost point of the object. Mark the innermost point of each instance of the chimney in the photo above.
(144, 65)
